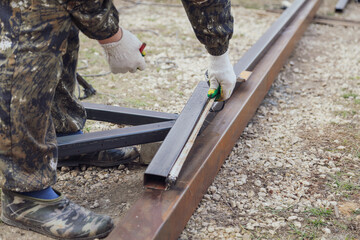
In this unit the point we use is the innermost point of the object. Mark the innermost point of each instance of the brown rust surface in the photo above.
(164, 214)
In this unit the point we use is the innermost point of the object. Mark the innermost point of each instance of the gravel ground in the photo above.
(293, 173)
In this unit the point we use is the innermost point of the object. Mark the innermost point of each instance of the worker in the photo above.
(34, 38)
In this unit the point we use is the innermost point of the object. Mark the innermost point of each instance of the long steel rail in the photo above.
(162, 214)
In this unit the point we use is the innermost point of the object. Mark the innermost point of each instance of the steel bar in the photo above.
(164, 214)
(127, 116)
(174, 173)
(336, 21)
(164, 159)
(340, 6)
(252, 57)
(121, 137)
(326, 20)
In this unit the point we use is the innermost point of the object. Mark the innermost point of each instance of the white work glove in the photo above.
(221, 72)
(124, 56)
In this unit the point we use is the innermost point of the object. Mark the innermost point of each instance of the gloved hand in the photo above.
(124, 56)
(221, 72)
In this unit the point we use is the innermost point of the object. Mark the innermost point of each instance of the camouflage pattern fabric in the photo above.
(58, 218)
(212, 23)
(67, 112)
(33, 41)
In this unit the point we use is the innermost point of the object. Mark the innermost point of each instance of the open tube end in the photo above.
(155, 182)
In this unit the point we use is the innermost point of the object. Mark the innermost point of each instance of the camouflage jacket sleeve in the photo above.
(212, 23)
(97, 19)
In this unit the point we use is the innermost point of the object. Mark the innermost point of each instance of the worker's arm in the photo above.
(99, 19)
(213, 26)
(212, 23)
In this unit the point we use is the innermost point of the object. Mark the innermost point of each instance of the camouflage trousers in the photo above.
(38, 55)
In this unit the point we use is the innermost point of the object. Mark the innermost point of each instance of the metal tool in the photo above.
(175, 171)
(213, 95)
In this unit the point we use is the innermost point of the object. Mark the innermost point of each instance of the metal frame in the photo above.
(148, 126)
(163, 161)
(162, 214)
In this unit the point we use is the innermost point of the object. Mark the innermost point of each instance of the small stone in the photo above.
(101, 176)
(250, 193)
(296, 70)
(115, 179)
(247, 236)
(262, 194)
(204, 224)
(212, 189)
(292, 218)
(297, 224)
(211, 229)
(83, 168)
(216, 197)
(121, 167)
(239, 206)
(279, 164)
(87, 176)
(65, 169)
(95, 205)
(326, 230)
(249, 226)
(257, 183)
(275, 224)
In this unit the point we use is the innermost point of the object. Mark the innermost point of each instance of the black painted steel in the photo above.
(121, 137)
(127, 116)
(257, 51)
(340, 6)
(174, 142)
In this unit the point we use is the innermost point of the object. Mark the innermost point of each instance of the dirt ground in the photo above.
(314, 105)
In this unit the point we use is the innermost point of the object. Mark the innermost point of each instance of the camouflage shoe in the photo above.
(105, 158)
(58, 218)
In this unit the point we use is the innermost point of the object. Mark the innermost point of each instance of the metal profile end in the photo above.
(155, 182)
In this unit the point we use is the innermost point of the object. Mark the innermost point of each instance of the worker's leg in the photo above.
(69, 115)
(32, 41)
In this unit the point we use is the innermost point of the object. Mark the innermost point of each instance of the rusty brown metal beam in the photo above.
(163, 214)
